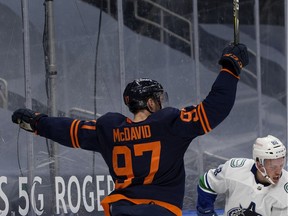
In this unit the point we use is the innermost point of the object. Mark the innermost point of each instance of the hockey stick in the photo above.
(236, 20)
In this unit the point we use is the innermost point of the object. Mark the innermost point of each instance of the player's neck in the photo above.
(141, 116)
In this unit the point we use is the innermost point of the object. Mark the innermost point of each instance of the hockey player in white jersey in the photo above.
(257, 187)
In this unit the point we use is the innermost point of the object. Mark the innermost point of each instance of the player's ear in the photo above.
(259, 165)
(150, 103)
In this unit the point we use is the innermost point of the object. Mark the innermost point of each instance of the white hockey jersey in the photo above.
(244, 196)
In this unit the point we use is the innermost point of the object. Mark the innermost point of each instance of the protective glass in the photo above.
(162, 97)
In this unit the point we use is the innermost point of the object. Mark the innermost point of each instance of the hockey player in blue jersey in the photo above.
(145, 154)
(252, 187)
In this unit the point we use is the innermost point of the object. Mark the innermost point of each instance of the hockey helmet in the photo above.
(138, 91)
(268, 147)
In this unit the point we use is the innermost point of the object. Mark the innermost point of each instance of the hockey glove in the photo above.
(234, 58)
(206, 212)
(27, 119)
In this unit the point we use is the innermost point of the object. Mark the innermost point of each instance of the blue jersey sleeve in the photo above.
(206, 196)
(198, 120)
(219, 102)
(70, 132)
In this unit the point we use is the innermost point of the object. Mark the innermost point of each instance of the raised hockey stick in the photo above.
(236, 20)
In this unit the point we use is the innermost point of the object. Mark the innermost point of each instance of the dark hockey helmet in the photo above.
(139, 91)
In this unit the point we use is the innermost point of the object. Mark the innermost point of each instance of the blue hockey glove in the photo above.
(234, 58)
(206, 212)
(27, 119)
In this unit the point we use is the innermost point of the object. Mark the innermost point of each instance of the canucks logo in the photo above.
(239, 211)
(286, 187)
(237, 162)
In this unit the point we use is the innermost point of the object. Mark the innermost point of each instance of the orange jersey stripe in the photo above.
(71, 133)
(75, 134)
(128, 120)
(88, 127)
(205, 118)
(201, 119)
(230, 72)
(116, 197)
